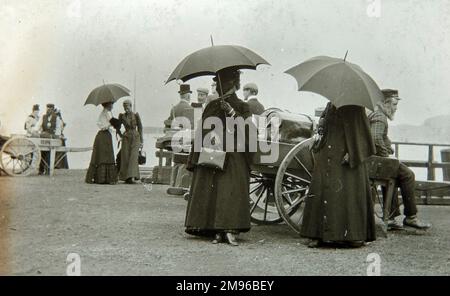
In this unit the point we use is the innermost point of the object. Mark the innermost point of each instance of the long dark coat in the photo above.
(219, 200)
(339, 206)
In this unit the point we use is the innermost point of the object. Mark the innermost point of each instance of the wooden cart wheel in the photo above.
(292, 183)
(263, 209)
(20, 156)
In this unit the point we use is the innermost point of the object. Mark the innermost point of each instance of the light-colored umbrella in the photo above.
(341, 82)
(107, 93)
(210, 60)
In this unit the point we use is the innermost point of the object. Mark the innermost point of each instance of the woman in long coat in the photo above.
(219, 200)
(102, 168)
(339, 207)
(132, 141)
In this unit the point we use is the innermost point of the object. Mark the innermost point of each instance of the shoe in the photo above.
(186, 196)
(130, 181)
(394, 225)
(314, 243)
(354, 244)
(231, 239)
(413, 221)
(217, 238)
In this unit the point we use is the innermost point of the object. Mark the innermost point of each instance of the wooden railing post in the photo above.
(430, 168)
(396, 150)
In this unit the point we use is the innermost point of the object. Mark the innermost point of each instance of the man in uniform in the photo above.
(31, 124)
(250, 93)
(405, 177)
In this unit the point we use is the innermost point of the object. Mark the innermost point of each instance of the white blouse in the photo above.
(103, 120)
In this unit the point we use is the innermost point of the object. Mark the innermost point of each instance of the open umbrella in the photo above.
(107, 93)
(209, 60)
(341, 82)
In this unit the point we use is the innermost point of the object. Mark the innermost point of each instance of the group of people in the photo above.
(104, 167)
(185, 108)
(339, 206)
(50, 125)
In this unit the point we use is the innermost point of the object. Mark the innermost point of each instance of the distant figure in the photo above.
(31, 124)
(51, 127)
(183, 108)
(202, 95)
(213, 94)
(132, 141)
(61, 161)
(102, 168)
(250, 93)
(405, 176)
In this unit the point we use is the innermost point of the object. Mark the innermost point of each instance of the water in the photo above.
(81, 160)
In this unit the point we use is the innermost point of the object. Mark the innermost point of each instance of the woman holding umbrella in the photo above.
(339, 205)
(102, 168)
(219, 204)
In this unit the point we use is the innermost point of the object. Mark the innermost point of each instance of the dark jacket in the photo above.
(255, 106)
(213, 109)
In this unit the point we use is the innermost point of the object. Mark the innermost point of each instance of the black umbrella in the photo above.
(210, 60)
(341, 82)
(107, 93)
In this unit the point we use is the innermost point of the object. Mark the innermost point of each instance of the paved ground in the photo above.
(133, 230)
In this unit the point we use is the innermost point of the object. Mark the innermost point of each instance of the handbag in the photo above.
(212, 158)
(142, 157)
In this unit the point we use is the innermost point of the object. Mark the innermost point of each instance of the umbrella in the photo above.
(107, 93)
(209, 60)
(341, 82)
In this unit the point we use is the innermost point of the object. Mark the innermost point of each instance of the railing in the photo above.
(430, 164)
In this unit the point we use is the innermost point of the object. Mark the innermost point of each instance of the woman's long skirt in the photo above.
(129, 166)
(102, 168)
(219, 200)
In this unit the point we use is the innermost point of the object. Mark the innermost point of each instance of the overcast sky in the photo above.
(57, 51)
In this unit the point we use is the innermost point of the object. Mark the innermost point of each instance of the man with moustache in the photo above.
(405, 176)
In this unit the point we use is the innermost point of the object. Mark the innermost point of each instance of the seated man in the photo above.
(51, 127)
(405, 176)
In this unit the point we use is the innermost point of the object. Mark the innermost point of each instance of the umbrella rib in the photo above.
(245, 55)
(310, 76)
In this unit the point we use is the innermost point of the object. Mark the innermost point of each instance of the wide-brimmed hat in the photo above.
(50, 105)
(36, 107)
(184, 89)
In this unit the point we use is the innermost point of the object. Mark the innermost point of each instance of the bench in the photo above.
(383, 172)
